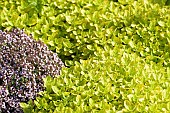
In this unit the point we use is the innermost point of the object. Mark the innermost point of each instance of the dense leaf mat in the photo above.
(116, 53)
(110, 82)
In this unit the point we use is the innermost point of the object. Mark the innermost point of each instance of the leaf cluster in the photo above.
(115, 82)
(117, 53)
(75, 29)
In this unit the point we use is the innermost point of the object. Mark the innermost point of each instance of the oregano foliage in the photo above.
(24, 62)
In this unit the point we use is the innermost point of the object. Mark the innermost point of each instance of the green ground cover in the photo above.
(116, 54)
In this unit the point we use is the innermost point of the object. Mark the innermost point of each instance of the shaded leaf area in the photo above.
(76, 29)
(161, 2)
(114, 81)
